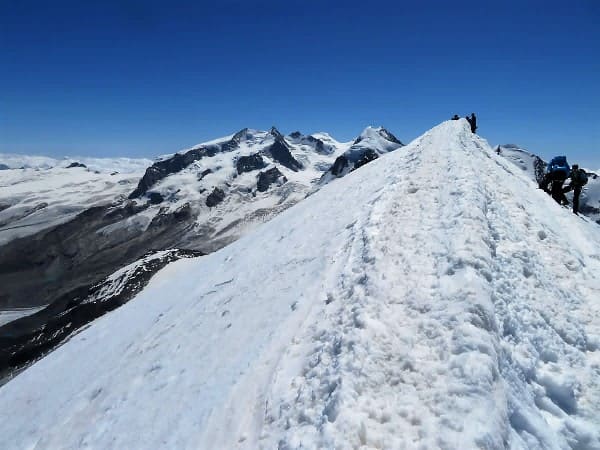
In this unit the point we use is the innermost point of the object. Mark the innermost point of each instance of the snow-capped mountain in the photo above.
(535, 167)
(237, 182)
(64, 227)
(370, 145)
(445, 309)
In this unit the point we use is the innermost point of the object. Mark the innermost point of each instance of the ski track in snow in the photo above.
(432, 299)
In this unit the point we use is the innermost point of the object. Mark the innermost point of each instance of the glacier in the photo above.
(433, 299)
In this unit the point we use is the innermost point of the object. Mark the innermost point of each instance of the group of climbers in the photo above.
(472, 121)
(557, 173)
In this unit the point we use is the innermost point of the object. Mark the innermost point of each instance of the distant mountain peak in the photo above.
(276, 134)
(371, 132)
(240, 135)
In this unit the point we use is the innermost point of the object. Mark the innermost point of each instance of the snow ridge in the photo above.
(443, 306)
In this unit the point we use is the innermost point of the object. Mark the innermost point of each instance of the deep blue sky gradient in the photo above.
(142, 78)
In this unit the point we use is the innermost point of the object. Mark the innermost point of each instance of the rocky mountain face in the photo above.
(535, 167)
(91, 222)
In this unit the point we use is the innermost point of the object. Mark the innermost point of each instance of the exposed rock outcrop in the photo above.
(249, 163)
(155, 198)
(339, 166)
(202, 174)
(280, 151)
(76, 164)
(269, 177)
(368, 156)
(215, 197)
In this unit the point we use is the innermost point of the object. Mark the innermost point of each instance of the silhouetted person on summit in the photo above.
(578, 180)
(455, 117)
(472, 121)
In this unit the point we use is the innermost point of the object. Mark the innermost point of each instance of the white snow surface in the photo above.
(35, 199)
(123, 165)
(522, 158)
(431, 299)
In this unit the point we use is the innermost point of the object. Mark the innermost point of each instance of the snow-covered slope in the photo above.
(532, 164)
(446, 309)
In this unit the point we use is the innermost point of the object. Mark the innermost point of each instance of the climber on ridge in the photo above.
(558, 171)
(472, 121)
(578, 180)
(455, 117)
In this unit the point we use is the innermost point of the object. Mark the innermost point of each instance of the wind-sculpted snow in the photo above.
(432, 299)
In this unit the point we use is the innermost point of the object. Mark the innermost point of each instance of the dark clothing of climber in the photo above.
(455, 117)
(578, 180)
(576, 194)
(555, 180)
(472, 121)
(557, 193)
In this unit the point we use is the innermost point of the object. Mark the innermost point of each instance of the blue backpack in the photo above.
(560, 165)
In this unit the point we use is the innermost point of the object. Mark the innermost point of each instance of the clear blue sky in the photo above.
(144, 77)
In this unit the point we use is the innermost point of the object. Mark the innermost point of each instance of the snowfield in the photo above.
(435, 298)
(36, 199)
(123, 165)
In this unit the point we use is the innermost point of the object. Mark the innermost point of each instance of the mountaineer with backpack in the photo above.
(578, 179)
(558, 171)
